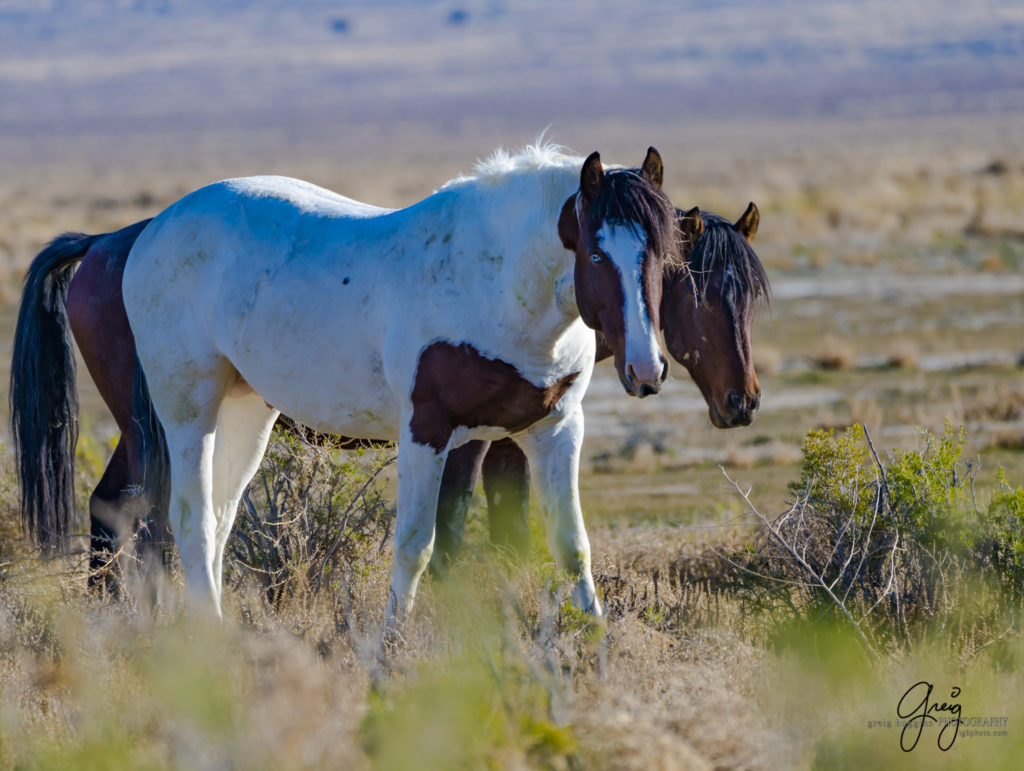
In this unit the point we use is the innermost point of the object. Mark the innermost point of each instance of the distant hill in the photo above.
(68, 66)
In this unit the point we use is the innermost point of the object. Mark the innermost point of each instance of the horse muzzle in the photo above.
(644, 381)
(738, 409)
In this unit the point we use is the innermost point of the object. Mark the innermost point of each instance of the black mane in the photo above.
(722, 250)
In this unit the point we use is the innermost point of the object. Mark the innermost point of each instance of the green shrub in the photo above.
(833, 473)
(890, 544)
(998, 539)
(928, 490)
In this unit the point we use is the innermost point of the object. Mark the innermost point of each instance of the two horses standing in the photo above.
(460, 319)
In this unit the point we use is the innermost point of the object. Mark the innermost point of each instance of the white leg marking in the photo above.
(187, 406)
(554, 457)
(192, 518)
(244, 424)
(419, 480)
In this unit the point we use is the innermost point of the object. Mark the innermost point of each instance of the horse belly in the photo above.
(327, 376)
(356, 418)
(335, 395)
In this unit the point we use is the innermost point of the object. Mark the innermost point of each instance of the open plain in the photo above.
(892, 231)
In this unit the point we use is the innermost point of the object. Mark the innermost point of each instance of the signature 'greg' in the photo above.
(915, 707)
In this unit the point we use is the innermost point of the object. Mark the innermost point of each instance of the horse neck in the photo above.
(537, 285)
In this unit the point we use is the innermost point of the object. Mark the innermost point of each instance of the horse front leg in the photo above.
(420, 468)
(553, 452)
(457, 484)
(507, 487)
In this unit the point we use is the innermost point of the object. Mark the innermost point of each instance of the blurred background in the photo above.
(489, 71)
(882, 141)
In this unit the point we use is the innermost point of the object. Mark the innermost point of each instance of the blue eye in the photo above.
(596, 257)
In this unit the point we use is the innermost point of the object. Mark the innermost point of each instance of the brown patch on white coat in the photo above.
(456, 386)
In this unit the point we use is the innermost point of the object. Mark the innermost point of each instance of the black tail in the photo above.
(44, 394)
(154, 464)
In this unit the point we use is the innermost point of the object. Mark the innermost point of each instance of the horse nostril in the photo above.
(630, 379)
(733, 400)
(664, 370)
(755, 402)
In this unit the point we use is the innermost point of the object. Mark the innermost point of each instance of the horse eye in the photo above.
(596, 258)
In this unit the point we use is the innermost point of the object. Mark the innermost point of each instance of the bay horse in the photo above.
(707, 312)
(451, 320)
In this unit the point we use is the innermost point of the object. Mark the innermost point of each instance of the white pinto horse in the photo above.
(456, 318)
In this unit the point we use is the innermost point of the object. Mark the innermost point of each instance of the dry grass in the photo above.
(292, 678)
(991, 403)
(767, 359)
(834, 353)
(904, 354)
(495, 670)
(89, 682)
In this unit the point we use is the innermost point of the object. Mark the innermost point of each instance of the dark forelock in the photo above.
(722, 250)
(628, 198)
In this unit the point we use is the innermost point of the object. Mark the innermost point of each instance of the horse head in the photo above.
(707, 312)
(622, 229)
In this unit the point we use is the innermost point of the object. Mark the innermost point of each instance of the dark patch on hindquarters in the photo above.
(456, 386)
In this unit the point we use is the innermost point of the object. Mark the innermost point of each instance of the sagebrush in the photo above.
(897, 546)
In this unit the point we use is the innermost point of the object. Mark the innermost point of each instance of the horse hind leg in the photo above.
(213, 455)
(130, 545)
(117, 507)
(108, 519)
(188, 409)
(97, 319)
(244, 426)
(122, 506)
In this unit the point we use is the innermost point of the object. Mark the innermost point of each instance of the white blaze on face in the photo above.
(626, 249)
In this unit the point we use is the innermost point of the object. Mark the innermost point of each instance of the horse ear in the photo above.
(653, 168)
(692, 225)
(747, 224)
(592, 176)
(568, 224)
